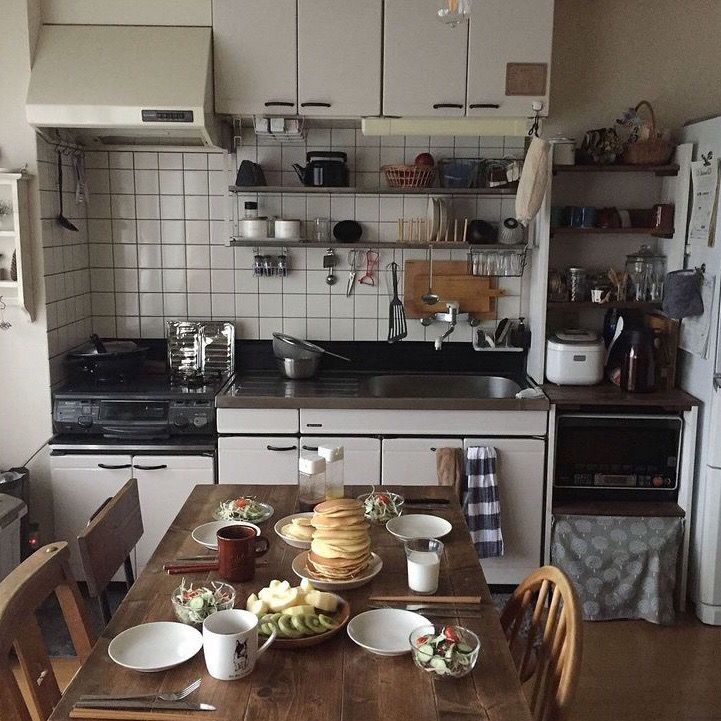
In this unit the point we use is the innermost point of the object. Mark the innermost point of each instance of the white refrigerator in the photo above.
(701, 376)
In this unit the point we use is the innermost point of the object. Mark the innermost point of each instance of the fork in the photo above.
(169, 696)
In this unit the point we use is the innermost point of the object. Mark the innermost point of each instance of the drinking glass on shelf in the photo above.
(423, 556)
(321, 230)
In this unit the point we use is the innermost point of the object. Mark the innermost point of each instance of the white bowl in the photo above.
(207, 534)
(295, 542)
(418, 525)
(155, 646)
(300, 568)
(385, 631)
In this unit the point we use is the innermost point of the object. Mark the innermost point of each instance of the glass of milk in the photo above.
(424, 562)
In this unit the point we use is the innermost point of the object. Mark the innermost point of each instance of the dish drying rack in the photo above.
(293, 131)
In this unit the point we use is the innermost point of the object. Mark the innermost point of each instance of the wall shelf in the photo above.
(294, 243)
(586, 305)
(306, 190)
(668, 170)
(567, 230)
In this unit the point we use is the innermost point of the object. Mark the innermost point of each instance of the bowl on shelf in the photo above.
(347, 231)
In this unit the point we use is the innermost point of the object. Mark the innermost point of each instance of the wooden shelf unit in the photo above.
(567, 230)
(587, 304)
(668, 170)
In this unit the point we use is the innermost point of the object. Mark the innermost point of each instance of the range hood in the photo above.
(125, 85)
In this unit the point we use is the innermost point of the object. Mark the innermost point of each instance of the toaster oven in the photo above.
(617, 457)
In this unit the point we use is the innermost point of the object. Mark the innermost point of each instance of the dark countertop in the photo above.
(269, 390)
(607, 394)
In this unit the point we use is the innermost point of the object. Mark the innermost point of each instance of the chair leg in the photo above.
(105, 607)
(129, 575)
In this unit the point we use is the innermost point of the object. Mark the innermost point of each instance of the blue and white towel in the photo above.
(481, 503)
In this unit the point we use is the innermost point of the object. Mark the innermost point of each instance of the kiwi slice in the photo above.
(267, 617)
(327, 622)
(286, 627)
(299, 625)
(314, 625)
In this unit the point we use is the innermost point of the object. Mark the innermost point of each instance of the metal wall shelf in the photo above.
(307, 190)
(297, 243)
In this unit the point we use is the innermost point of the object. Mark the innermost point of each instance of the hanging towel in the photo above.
(480, 504)
(449, 465)
(533, 182)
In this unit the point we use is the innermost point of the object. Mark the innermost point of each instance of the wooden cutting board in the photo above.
(475, 294)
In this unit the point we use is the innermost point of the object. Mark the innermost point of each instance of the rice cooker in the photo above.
(575, 358)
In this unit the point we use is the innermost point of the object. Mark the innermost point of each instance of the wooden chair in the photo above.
(105, 545)
(21, 593)
(549, 658)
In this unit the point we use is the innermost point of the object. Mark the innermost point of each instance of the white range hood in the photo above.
(125, 85)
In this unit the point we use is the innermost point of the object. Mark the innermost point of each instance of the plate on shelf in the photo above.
(434, 215)
(418, 525)
(443, 219)
(290, 540)
(300, 568)
(207, 534)
(155, 646)
(385, 631)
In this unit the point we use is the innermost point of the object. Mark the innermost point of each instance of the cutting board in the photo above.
(475, 294)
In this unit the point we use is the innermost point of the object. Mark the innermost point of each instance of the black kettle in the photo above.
(324, 169)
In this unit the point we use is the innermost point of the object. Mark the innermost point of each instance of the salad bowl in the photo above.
(193, 605)
(444, 651)
(243, 508)
(381, 506)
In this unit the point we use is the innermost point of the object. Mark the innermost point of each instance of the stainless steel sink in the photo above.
(441, 386)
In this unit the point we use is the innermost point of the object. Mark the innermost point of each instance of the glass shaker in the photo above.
(334, 473)
(577, 284)
(311, 480)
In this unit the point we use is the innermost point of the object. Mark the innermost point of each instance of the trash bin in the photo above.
(12, 510)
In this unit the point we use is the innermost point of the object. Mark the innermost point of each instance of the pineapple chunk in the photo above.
(302, 610)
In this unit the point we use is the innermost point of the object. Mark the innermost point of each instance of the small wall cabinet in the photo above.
(15, 286)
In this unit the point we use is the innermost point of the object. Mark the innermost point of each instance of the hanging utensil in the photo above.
(397, 326)
(62, 220)
(4, 325)
(371, 265)
(430, 298)
(353, 273)
(330, 261)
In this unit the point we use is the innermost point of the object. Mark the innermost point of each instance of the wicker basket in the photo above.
(654, 151)
(409, 176)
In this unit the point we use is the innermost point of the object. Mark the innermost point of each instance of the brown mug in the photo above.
(238, 547)
(663, 218)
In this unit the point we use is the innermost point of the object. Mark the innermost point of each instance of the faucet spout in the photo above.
(451, 317)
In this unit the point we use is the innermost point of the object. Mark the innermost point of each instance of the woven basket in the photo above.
(409, 176)
(654, 151)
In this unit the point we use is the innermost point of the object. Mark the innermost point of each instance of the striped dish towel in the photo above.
(480, 503)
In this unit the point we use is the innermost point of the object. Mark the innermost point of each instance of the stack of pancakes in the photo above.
(341, 546)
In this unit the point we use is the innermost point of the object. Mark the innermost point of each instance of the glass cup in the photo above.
(423, 556)
(321, 230)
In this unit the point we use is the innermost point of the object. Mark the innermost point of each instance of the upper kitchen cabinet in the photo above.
(424, 69)
(339, 57)
(509, 57)
(256, 56)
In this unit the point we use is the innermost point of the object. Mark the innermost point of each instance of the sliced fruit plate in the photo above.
(301, 616)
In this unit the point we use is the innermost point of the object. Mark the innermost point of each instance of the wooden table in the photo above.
(337, 680)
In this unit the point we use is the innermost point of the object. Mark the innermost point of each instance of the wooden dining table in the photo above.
(336, 680)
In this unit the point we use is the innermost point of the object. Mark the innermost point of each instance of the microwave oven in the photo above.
(609, 457)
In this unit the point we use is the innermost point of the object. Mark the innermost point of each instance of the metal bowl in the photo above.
(287, 347)
(298, 368)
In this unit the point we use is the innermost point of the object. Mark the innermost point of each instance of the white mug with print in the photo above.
(230, 643)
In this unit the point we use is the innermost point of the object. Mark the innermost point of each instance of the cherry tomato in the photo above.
(421, 640)
(450, 634)
(382, 498)
(240, 503)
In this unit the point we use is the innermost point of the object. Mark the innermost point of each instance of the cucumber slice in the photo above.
(327, 622)
(463, 648)
(424, 653)
(438, 665)
(196, 603)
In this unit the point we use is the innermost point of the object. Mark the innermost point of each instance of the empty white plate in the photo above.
(385, 631)
(207, 534)
(418, 525)
(155, 646)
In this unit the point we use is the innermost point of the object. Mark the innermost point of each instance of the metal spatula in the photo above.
(62, 220)
(397, 327)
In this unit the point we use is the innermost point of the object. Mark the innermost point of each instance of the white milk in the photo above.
(423, 567)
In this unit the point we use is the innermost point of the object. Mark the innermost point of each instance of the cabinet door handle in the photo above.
(309, 448)
(279, 103)
(494, 106)
(282, 448)
(438, 106)
(151, 468)
(315, 105)
(111, 467)
(433, 449)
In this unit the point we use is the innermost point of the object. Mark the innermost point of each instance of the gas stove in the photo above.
(149, 406)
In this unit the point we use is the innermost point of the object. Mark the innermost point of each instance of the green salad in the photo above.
(245, 508)
(381, 506)
(194, 605)
(446, 653)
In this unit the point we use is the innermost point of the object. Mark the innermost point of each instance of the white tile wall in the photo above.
(153, 241)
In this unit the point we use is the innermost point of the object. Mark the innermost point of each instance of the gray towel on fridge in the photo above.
(481, 504)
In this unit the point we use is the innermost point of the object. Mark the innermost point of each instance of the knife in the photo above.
(146, 705)
(431, 611)
(426, 501)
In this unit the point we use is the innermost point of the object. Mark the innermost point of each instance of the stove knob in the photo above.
(85, 421)
(200, 421)
(181, 421)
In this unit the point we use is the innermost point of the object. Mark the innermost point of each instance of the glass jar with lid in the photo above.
(646, 271)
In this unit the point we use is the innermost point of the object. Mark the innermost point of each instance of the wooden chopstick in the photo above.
(173, 570)
(457, 600)
(112, 714)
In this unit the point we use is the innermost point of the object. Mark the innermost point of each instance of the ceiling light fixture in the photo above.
(454, 12)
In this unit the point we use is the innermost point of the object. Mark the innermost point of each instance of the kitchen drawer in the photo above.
(402, 422)
(412, 461)
(258, 459)
(362, 463)
(257, 420)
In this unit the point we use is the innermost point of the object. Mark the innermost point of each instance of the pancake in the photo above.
(346, 522)
(338, 504)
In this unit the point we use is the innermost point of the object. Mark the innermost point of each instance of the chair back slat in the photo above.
(551, 665)
(110, 536)
(21, 593)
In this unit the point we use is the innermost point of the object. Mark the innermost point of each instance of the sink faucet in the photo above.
(451, 316)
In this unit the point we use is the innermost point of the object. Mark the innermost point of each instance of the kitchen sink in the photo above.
(441, 386)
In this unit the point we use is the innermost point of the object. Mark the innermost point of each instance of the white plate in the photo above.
(295, 542)
(418, 525)
(267, 513)
(433, 215)
(155, 646)
(301, 570)
(385, 631)
(206, 535)
(443, 222)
